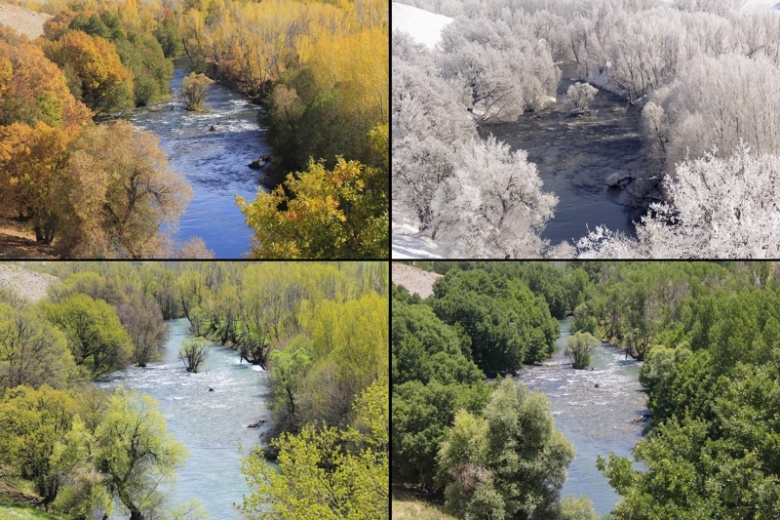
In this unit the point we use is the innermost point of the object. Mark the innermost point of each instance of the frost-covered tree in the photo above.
(580, 96)
(715, 104)
(500, 74)
(719, 208)
(493, 204)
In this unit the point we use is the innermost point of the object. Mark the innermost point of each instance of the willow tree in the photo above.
(193, 90)
(135, 452)
(193, 353)
(118, 193)
(579, 348)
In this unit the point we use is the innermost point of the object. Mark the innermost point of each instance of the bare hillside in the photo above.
(27, 284)
(415, 280)
(22, 20)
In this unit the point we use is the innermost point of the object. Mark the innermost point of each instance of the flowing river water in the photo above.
(599, 411)
(212, 425)
(214, 162)
(575, 155)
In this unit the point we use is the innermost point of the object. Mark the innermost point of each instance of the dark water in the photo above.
(214, 163)
(574, 157)
(211, 425)
(596, 420)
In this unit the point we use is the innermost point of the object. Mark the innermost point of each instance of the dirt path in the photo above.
(27, 284)
(18, 244)
(22, 20)
(415, 280)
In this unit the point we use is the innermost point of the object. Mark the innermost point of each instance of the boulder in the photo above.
(618, 180)
(260, 162)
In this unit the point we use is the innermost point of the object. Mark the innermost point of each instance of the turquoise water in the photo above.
(212, 425)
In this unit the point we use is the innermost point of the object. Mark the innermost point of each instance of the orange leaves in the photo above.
(30, 157)
(33, 89)
(106, 85)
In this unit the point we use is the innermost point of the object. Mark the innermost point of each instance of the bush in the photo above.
(579, 348)
(193, 90)
(193, 353)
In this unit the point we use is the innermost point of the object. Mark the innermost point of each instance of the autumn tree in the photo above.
(193, 90)
(31, 160)
(341, 213)
(98, 76)
(118, 194)
(33, 89)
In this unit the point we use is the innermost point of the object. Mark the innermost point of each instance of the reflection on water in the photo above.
(212, 425)
(212, 151)
(596, 410)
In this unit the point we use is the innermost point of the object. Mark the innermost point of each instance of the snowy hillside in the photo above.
(423, 26)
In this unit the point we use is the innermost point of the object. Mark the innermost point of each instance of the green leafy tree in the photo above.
(193, 353)
(329, 473)
(507, 324)
(422, 415)
(425, 348)
(288, 367)
(135, 452)
(579, 348)
(33, 428)
(95, 335)
(32, 351)
(513, 462)
(579, 508)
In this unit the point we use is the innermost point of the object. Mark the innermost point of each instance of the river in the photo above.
(596, 419)
(213, 162)
(212, 425)
(575, 155)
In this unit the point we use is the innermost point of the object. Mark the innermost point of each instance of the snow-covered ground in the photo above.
(423, 26)
(409, 242)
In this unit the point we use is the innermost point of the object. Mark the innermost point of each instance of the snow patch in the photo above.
(423, 26)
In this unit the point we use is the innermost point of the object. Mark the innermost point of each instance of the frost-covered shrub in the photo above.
(580, 96)
(718, 208)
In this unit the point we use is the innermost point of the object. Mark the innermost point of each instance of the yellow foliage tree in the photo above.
(34, 89)
(117, 194)
(328, 214)
(104, 84)
(30, 160)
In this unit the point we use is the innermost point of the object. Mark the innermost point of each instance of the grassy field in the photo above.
(407, 507)
(16, 501)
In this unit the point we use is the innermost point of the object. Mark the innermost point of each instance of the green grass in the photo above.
(14, 504)
(406, 507)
